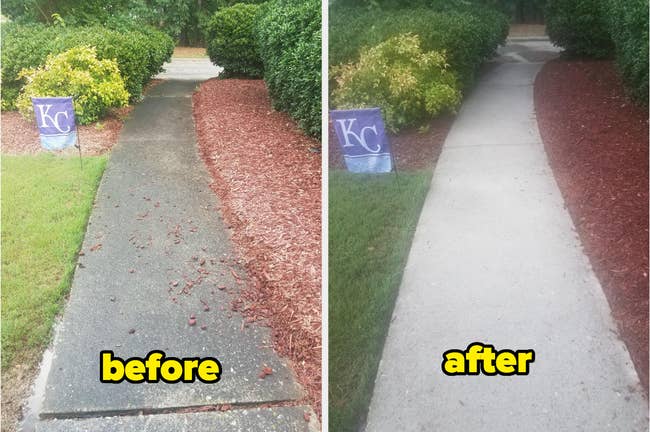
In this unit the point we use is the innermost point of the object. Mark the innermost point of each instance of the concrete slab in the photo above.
(189, 69)
(528, 50)
(281, 419)
(154, 222)
(495, 259)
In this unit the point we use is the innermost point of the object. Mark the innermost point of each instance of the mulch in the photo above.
(269, 184)
(20, 136)
(413, 149)
(597, 143)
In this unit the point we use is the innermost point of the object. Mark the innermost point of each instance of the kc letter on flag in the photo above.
(363, 140)
(56, 122)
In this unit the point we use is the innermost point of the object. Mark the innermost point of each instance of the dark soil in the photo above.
(597, 144)
(269, 184)
(416, 148)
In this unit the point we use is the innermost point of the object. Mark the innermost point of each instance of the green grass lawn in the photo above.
(46, 202)
(371, 224)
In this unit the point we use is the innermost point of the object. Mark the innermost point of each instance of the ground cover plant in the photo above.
(44, 216)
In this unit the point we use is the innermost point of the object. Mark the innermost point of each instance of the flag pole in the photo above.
(392, 158)
(78, 145)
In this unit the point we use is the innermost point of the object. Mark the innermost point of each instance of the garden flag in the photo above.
(56, 122)
(363, 140)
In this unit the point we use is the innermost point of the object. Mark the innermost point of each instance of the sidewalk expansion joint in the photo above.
(520, 144)
(169, 96)
(222, 407)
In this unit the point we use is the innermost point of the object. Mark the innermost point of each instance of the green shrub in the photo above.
(140, 53)
(468, 34)
(409, 85)
(628, 25)
(579, 27)
(289, 40)
(231, 40)
(95, 85)
(23, 46)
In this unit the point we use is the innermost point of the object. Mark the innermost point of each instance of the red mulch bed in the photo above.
(412, 148)
(20, 136)
(597, 143)
(269, 185)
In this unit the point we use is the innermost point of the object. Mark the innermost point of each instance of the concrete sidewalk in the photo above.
(496, 259)
(156, 253)
(189, 69)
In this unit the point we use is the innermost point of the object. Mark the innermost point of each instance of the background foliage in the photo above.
(183, 20)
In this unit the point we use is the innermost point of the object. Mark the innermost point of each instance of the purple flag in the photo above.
(56, 122)
(363, 140)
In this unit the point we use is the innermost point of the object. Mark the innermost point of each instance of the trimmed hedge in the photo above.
(628, 25)
(289, 38)
(139, 54)
(468, 35)
(603, 29)
(231, 40)
(579, 27)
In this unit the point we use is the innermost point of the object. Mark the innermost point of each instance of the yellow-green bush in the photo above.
(409, 85)
(95, 85)
(468, 33)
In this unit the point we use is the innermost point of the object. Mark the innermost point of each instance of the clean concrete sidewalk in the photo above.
(155, 253)
(496, 259)
(189, 69)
